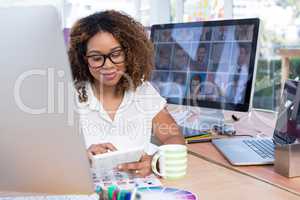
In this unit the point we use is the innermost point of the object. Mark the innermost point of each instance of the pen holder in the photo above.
(287, 160)
(113, 192)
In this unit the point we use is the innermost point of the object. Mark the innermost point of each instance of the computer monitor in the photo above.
(41, 150)
(287, 128)
(208, 64)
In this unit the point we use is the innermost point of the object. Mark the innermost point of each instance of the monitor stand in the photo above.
(197, 118)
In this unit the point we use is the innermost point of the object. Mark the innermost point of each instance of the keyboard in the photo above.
(263, 147)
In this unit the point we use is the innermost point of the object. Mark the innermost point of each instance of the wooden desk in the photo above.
(258, 123)
(212, 182)
(211, 177)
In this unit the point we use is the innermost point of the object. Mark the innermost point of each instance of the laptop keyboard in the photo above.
(263, 147)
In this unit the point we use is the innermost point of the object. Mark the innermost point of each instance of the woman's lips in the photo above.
(109, 76)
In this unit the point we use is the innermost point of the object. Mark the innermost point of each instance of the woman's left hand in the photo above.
(141, 168)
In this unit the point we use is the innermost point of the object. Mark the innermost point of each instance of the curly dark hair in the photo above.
(129, 33)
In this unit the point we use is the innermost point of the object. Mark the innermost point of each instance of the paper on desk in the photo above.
(123, 180)
(180, 116)
(185, 118)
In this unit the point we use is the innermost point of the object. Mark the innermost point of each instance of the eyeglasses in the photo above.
(98, 60)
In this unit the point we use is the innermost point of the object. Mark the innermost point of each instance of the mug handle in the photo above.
(154, 164)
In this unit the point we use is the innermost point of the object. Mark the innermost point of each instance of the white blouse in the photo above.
(132, 124)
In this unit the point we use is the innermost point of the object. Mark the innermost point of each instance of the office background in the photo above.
(281, 28)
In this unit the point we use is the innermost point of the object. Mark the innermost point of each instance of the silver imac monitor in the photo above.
(41, 150)
(209, 64)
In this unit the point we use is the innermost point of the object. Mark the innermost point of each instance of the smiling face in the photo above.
(103, 43)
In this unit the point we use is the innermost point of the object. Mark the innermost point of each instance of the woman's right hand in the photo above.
(95, 149)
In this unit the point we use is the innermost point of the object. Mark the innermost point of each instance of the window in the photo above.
(76, 9)
(196, 10)
(280, 30)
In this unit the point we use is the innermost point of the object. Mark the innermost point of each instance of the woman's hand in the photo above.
(95, 149)
(141, 168)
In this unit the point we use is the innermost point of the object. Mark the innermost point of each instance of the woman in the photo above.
(111, 60)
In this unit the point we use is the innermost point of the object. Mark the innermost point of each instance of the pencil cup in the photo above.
(172, 161)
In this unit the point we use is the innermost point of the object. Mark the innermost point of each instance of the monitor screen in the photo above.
(206, 64)
(287, 128)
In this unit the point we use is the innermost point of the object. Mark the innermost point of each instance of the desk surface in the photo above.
(258, 123)
(211, 177)
(263, 173)
(210, 182)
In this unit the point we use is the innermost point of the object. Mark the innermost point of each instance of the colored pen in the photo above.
(198, 141)
(197, 137)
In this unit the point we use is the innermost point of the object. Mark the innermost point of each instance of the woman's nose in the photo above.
(108, 64)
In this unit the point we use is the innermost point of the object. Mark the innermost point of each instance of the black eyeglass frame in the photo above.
(105, 56)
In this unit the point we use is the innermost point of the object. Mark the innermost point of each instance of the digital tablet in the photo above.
(108, 161)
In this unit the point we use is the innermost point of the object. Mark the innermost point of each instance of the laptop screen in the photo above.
(287, 128)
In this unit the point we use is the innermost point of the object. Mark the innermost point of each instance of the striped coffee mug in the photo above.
(172, 161)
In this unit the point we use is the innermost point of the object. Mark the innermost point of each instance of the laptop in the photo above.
(41, 149)
(260, 151)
